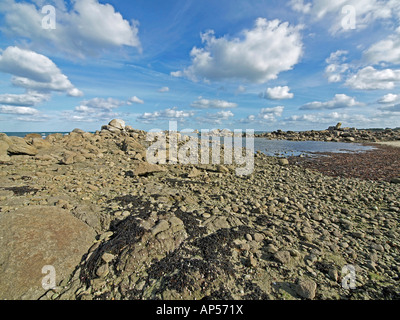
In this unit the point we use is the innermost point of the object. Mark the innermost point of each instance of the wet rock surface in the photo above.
(201, 231)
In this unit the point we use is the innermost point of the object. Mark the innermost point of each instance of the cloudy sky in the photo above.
(262, 65)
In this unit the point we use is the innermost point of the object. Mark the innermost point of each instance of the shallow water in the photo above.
(286, 148)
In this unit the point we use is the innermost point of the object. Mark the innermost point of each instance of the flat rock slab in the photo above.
(34, 237)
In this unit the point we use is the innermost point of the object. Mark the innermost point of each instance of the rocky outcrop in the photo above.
(34, 237)
(336, 134)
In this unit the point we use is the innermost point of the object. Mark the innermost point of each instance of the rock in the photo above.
(117, 123)
(194, 173)
(18, 145)
(40, 143)
(160, 227)
(306, 289)
(68, 158)
(31, 136)
(282, 256)
(395, 180)
(78, 131)
(4, 157)
(34, 237)
(258, 237)
(102, 271)
(349, 139)
(283, 162)
(145, 168)
(107, 257)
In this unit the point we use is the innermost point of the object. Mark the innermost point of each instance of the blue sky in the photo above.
(262, 65)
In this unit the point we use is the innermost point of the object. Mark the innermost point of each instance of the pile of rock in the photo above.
(335, 134)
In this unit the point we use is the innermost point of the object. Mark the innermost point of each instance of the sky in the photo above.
(262, 65)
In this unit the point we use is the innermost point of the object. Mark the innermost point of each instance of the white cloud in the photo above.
(163, 89)
(338, 102)
(277, 93)
(34, 71)
(18, 110)
(167, 114)
(300, 6)
(99, 104)
(240, 89)
(367, 11)
(389, 98)
(213, 104)
(387, 50)
(30, 98)
(263, 52)
(270, 114)
(336, 66)
(370, 78)
(216, 118)
(89, 27)
(135, 99)
(331, 118)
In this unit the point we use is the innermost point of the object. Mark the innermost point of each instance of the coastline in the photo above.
(116, 227)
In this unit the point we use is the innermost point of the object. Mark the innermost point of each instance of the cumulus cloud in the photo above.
(277, 93)
(213, 104)
(330, 118)
(259, 55)
(270, 114)
(387, 50)
(265, 115)
(370, 78)
(336, 66)
(136, 100)
(167, 114)
(30, 98)
(389, 98)
(216, 118)
(18, 110)
(338, 102)
(34, 71)
(87, 28)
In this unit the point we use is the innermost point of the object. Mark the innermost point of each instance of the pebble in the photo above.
(306, 289)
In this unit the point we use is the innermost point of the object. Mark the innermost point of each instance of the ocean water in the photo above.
(285, 148)
(282, 148)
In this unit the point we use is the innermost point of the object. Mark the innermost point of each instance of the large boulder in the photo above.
(19, 145)
(117, 123)
(34, 237)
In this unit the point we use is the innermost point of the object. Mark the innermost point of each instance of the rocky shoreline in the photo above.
(336, 134)
(114, 226)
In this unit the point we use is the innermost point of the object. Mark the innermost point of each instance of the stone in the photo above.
(4, 157)
(395, 180)
(283, 162)
(40, 143)
(34, 237)
(117, 123)
(107, 257)
(306, 289)
(145, 168)
(282, 256)
(18, 146)
(194, 173)
(160, 227)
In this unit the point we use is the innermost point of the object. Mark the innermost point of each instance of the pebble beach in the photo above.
(114, 226)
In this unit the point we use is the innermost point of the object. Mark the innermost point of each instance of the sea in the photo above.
(280, 148)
